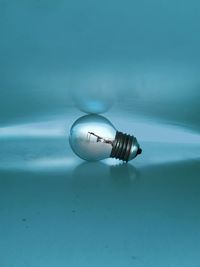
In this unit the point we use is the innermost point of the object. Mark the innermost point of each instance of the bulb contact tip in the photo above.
(139, 151)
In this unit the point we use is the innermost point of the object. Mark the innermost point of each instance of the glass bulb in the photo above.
(93, 137)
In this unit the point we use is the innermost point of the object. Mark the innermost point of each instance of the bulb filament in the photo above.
(101, 139)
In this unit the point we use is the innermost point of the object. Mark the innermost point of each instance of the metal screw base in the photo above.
(122, 146)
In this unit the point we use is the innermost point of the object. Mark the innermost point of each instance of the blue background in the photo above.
(139, 63)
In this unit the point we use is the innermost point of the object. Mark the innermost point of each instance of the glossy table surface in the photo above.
(57, 210)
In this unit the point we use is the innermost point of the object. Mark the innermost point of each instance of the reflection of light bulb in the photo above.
(93, 137)
(93, 90)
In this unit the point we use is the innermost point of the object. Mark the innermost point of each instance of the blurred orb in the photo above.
(92, 92)
(92, 105)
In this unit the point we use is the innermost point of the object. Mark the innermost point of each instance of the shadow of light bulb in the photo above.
(92, 92)
(89, 173)
(96, 173)
(98, 197)
(124, 174)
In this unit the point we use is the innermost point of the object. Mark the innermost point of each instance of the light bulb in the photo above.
(93, 137)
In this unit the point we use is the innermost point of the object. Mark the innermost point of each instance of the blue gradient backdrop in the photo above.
(139, 63)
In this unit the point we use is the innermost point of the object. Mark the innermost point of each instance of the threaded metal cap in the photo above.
(125, 147)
